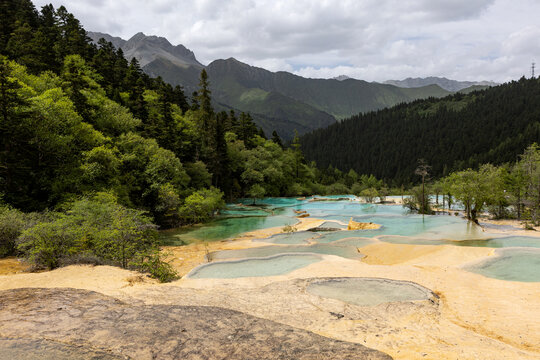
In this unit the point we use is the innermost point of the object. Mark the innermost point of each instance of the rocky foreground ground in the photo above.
(79, 324)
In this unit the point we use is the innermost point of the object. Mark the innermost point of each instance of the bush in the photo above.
(296, 189)
(96, 230)
(337, 189)
(159, 269)
(12, 223)
(316, 188)
(357, 189)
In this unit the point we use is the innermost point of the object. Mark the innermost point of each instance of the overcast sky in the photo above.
(374, 40)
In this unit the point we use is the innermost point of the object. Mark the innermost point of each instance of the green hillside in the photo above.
(452, 133)
(338, 98)
(286, 102)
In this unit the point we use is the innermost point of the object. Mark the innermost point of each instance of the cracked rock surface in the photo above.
(81, 324)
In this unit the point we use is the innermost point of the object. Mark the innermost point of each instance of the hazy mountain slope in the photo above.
(338, 98)
(447, 84)
(188, 76)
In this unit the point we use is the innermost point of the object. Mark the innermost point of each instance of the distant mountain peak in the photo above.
(342, 77)
(147, 48)
(447, 84)
(137, 36)
(234, 61)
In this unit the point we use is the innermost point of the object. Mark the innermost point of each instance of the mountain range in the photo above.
(278, 101)
(447, 84)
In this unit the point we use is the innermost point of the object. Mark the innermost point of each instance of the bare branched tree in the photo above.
(423, 170)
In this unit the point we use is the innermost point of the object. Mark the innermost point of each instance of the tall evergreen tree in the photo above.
(277, 139)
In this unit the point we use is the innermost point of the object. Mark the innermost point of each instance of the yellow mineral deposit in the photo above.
(353, 225)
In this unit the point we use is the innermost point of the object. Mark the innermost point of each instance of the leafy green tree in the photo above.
(369, 194)
(471, 189)
(496, 197)
(515, 182)
(356, 189)
(418, 201)
(167, 205)
(256, 191)
(78, 79)
(101, 168)
(530, 163)
(351, 178)
(13, 110)
(370, 181)
(145, 168)
(198, 174)
(201, 205)
(44, 134)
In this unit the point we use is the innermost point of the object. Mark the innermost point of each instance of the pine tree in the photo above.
(297, 152)
(205, 103)
(277, 139)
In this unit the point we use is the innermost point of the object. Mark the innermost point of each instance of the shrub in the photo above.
(159, 269)
(357, 189)
(296, 189)
(96, 230)
(337, 189)
(12, 223)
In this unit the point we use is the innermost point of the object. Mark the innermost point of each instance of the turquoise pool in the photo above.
(368, 291)
(517, 264)
(501, 242)
(253, 267)
(397, 226)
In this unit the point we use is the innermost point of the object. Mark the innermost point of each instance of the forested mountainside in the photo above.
(452, 133)
(278, 101)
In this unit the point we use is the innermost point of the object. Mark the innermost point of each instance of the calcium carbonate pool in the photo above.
(368, 291)
(254, 267)
(514, 264)
(287, 252)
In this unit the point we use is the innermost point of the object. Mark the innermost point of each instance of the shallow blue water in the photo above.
(272, 266)
(222, 229)
(512, 265)
(397, 226)
(347, 250)
(502, 242)
(299, 237)
(368, 291)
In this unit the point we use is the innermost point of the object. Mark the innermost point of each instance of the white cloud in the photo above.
(373, 40)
